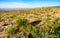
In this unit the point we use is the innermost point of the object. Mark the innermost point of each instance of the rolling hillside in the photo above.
(30, 23)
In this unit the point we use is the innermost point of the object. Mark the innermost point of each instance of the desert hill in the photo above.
(49, 18)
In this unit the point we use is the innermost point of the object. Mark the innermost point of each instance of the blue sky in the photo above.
(28, 3)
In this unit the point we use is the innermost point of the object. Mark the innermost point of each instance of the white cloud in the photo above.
(24, 5)
(15, 5)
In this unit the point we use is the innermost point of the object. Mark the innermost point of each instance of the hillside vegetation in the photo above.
(30, 23)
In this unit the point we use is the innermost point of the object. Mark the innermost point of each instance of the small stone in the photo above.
(5, 24)
(1, 29)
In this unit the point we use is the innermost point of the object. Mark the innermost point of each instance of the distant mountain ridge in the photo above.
(10, 9)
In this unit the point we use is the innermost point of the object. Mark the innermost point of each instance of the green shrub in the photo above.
(22, 21)
(12, 16)
(10, 30)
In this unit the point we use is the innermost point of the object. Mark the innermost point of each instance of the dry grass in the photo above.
(50, 19)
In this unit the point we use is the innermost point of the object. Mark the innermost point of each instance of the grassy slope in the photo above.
(35, 13)
(46, 15)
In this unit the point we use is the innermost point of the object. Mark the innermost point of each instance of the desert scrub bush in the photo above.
(10, 30)
(22, 22)
(22, 25)
(35, 33)
(52, 34)
(55, 30)
(12, 16)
